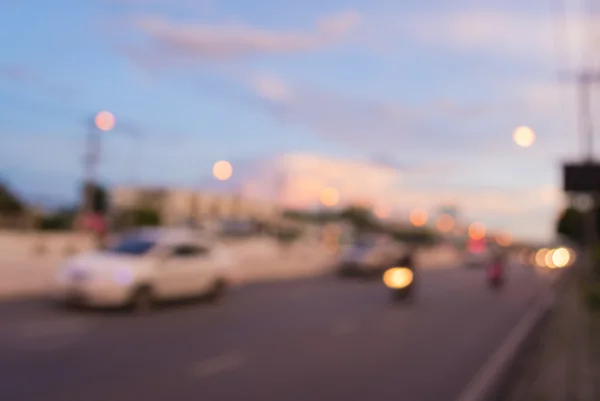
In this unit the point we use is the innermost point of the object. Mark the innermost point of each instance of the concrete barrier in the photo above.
(18, 246)
(28, 260)
(259, 259)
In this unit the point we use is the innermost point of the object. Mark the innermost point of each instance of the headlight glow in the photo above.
(398, 277)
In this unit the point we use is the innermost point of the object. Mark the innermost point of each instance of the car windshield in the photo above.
(365, 242)
(133, 246)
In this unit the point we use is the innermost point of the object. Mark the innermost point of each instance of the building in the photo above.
(177, 206)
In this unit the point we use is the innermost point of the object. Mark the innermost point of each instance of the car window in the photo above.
(365, 243)
(188, 251)
(132, 246)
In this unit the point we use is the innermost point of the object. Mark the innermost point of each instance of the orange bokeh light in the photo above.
(418, 217)
(222, 170)
(330, 197)
(104, 121)
(477, 231)
(445, 223)
(504, 239)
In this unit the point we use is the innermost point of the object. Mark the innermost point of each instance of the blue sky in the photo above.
(434, 85)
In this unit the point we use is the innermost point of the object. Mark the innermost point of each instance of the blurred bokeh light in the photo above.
(418, 217)
(445, 223)
(477, 230)
(524, 136)
(330, 197)
(222, 170)
(104, 121)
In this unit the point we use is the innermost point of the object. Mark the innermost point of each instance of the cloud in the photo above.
(298, 179)
(232, 41)
(477, 30)
(374, 126)
(540, 36)
(271, 88)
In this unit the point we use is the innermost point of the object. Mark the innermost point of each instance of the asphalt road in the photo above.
(315, 339)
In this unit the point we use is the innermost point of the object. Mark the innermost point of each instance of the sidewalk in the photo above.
(564, 365)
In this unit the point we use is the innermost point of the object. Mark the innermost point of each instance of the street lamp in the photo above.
(330, 197)
(103, 121)
(418, 217)
(524, 136)
(477, 231)
(222, 170)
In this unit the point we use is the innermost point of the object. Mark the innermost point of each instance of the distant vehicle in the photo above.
(478, 253)
(370, 255)
(495, 272)
(477, 260)
(146, 267)
(400, 278)
(401, 282)
(239, 228)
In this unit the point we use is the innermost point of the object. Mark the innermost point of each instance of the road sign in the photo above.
(581, 177)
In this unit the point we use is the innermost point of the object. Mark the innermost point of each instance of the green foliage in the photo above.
(9, 202)
(361, 218)
(311, 217)
(571, 225)
(592, 295)
(138, 217)
(287, 236)
(100, 198)
(596, 262)
(421, 236)
(145, 217)
(60, 220)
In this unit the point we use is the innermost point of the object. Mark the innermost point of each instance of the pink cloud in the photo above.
(298, 179)
(237, 40)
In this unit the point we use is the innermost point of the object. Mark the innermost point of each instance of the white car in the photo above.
(371, 254)
(144, 267)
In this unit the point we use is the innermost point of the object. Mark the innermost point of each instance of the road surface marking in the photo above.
(479, 386)
(48, 335)
(342, 327)
(216, 365)
(37, 329)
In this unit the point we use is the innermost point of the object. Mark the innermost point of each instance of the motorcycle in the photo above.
(495, 275)
(401, 280)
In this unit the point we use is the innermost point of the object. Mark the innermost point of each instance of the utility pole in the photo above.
(586, 80)
(91, 158)
(101, 122)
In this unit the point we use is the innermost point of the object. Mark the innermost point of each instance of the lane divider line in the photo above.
(487, 377)
(213, 366)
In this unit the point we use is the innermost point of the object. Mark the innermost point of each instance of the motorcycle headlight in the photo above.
(398, 277)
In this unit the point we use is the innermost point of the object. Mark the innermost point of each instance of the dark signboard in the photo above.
(581, 177)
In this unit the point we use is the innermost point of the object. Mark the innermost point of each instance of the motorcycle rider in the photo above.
(408, 260)
(497, 268)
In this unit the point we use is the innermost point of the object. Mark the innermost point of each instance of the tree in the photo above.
(361, 218)
(423, 235)
(571, 225)
(9, 202)
(99, 195)
(60, 220)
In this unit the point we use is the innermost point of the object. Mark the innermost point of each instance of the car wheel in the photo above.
(218, 290)
(142, 301)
